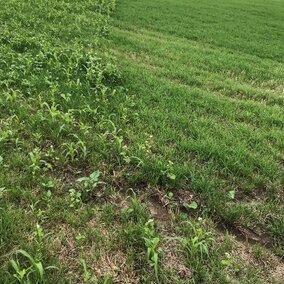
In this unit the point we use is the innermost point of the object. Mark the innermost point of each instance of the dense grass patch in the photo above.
(60, 102)
(208, 82)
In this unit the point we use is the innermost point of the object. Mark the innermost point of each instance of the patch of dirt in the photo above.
(173, 259)
(248, 235)
(244, 253)
(112, 264)
(177, 201)
(64, 248)
(116, 266)
(162, 209)
(159, 213)
(278, 273)
(270, 266)
(174, 264)
(185, 196)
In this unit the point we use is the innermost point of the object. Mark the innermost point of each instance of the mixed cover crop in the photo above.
(141, 143)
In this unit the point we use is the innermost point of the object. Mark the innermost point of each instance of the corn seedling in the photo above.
(88, 278)
(70, 150)
(35, 156)
(34, 272)
(151, 242)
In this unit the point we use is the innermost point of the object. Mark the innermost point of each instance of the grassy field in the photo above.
(144, 149)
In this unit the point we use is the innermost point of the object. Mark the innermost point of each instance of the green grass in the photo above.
(133, 149)
(208, 83)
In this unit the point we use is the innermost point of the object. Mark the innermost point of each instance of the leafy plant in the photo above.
(35, 157)
(37, 163)
(90, 182)
(70, 150)
(75, 197)
(136, 212)
(231, 194)
(197, 246)
(34, 272)
(151, 242)
(227, 261)
(192, 205)
(169, 171)
(88, 278)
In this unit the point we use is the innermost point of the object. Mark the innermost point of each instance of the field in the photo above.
(141, 141)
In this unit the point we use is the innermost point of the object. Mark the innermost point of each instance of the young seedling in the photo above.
(192, 205)
(33, 273)
(90, 182)
(168, 172)
(88, 278)
(151, 242)
(75, 198)
(35, 156)
(197, 245)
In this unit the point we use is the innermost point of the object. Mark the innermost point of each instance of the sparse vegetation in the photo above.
(141, 143)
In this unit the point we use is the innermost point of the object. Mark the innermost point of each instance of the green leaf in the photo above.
(39, 267)
(170, 195)
(82, 179)
(127, 160)
(95, 175)
(228, 260)
(15, 266)
(171, 176)
(2, 191)
(231, 194)
(27, 255)
(36, 264)
(192, 205)
(22, 273)
(48, 194)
